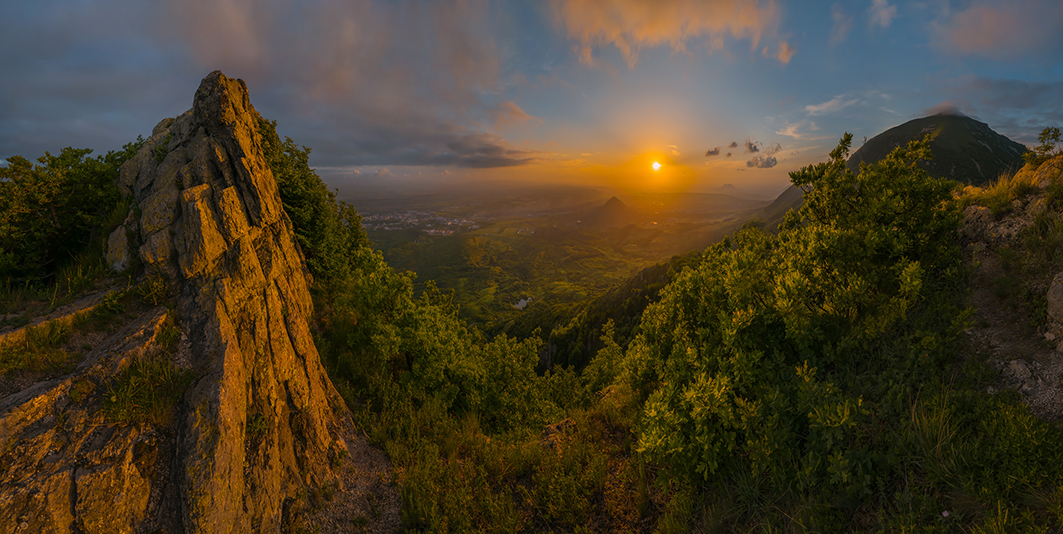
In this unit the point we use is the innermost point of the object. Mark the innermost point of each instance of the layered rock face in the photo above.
(261, 421)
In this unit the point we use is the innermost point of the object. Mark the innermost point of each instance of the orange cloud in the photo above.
(1005, 31)
(842, 24)
(508, 113)
(783, 55)
(632, 24)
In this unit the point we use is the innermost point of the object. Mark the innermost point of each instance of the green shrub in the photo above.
(77, 193)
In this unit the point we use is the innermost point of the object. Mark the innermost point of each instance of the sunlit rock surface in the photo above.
(260, 424)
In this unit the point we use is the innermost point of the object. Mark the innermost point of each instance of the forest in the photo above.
(809, 378)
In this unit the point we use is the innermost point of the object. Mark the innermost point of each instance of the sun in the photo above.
(656, 166)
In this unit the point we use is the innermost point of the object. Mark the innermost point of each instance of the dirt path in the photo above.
(1004, 328)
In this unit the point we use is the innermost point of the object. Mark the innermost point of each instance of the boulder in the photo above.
(1055, 299)
(976, 222)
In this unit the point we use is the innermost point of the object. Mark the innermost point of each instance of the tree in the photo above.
(50, 211)
(1047, 149)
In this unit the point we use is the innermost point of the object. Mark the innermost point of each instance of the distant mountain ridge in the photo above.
(614, 212)
(965, 150)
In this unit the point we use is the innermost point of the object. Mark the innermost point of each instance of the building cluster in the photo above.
(429, 223)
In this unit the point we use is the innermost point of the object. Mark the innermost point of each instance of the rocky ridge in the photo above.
(1028, 355)
(260, 433)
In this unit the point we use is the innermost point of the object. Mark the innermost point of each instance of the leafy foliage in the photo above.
(53, 209)
(328, 231)
(754, 361)
(1047, 149)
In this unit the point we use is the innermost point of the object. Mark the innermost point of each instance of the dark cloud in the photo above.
(734, 144)
(1015, 108)
(363, 83)
(712, 152)
(728, 154)
(762, 162)
(1018, 30)
(766, 160)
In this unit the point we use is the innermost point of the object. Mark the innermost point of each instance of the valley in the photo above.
(550, 248)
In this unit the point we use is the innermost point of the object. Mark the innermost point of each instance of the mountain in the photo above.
(254, 418)
(964, 149)
(613, 213)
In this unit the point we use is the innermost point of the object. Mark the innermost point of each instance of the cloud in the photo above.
(882, 13)
(1016, 108)
(791, 130)
(784, 53)
(833, 105)
(753, 146)
(762, 162)
(734, 144)
(630, 25)
(842, 24)
(673, 150)
(363, 82)
(712, 152)
(1020, 29)
(944, 108)
(728, 154)
(508, 113)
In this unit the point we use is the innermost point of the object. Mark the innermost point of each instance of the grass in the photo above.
(146, 393)
(1001, 194)
(41, 350)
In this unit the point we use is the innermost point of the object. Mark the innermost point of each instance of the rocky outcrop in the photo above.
(1002, 325)
(260, 423)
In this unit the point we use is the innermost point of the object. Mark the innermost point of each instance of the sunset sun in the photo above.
(656, 166)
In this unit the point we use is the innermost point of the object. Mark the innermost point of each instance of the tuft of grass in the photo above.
(1000, 195)
(153, 290)
(163, 148)
(257, 425)
(169, 335)
(81, 389)
(40, 351)
(146, 393)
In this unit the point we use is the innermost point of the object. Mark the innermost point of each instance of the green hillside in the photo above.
(964, 149)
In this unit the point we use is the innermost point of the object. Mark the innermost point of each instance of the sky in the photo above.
(417, 95)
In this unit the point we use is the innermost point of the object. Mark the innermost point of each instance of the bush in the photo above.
(756, 359)
(52, 210)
